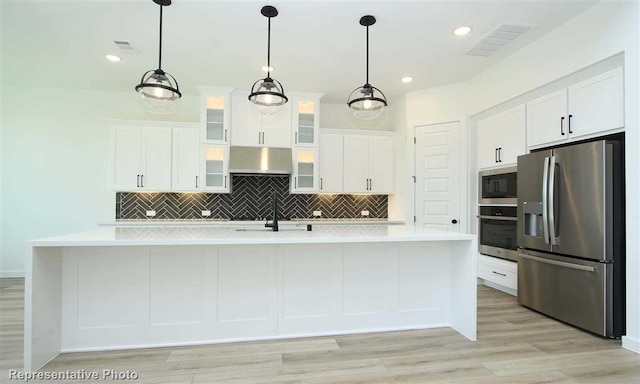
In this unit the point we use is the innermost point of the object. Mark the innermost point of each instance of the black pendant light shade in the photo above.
(158, 89)
(268, 94)
(367, 102)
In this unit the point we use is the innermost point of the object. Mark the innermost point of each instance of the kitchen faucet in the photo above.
(274, 212)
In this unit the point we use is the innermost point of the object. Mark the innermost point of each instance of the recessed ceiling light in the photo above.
(113, 58)
(407, 79)
(267, 69)
(462, 31)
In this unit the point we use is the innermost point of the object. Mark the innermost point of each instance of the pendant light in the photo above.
(367, 102)
(158, 89)
(268, 94)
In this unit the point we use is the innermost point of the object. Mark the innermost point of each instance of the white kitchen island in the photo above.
(135, 287)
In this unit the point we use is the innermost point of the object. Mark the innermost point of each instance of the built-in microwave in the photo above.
(498, 186)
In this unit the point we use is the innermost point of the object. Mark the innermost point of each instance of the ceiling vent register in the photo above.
(126, 46)
(497, 38)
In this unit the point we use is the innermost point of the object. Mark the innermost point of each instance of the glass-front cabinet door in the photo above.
(215, 168)
(215, 114)
(305, 120)
(305, 171)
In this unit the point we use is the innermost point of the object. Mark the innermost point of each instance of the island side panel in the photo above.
(43, 306)
(464, 288)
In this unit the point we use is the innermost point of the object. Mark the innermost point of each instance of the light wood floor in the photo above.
(515, 345)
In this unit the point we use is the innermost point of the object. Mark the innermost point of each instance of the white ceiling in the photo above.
(317, 46)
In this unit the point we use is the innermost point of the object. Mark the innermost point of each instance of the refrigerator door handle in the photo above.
(545, 189)
(552, 216)
(558, 263)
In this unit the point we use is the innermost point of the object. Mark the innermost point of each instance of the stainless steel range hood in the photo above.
(260, 160)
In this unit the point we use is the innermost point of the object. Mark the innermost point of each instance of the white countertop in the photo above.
(227, 223)
(249, 234)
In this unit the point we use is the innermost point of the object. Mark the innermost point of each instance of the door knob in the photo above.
(454, 221)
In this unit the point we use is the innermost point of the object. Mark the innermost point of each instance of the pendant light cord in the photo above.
(367, 54)
(160, 48)
(269, 47)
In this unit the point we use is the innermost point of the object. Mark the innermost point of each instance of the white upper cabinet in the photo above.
(215, 114)
(501, 138)
(214, 168)
(249, 128)
(305, 120)
(305, 170)
(331, 163)
(186, 160)
(368, 164)
(585, 109)
(141, 158)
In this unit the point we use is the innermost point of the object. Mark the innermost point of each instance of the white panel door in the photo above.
(513, 136)
(597, 104)
(489, 139)
(331, 163)
(156, 161)
(437, 166)
(381, 164)
(546, 122)
(126, 148)
(356, 163)
(186, 159)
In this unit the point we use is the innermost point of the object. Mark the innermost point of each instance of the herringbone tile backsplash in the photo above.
(250, 199)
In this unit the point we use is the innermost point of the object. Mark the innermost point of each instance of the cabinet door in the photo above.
(215, 115)
(186, 160)
(489, 134)
(546, 121)
(305, 170)
(513, 136)
(126, 147)
(156, 159)
(381, 164)
(246, 122)
(215, 168)
(305, 123)
(276, 128)
(596, 104)
(356, 163)
(331, 163)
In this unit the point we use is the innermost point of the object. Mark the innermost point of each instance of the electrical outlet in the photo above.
(151, 213)
(317, 213)
(364, 213)
(206, 213)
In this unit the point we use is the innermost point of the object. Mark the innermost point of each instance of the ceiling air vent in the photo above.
(126, 46)
(497, 38)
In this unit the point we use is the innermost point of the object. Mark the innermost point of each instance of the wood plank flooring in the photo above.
(515, 346)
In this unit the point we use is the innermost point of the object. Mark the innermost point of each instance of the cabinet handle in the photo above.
(371, 184)
(500, 155)
(570, 116)
(196, 182)
(321, 183)
(296, 138)
(295, 182)
(142, 181)
(225, 181)
(225, 135)
(495, 155)
(138, 181)
(562, 125)
(498, 273)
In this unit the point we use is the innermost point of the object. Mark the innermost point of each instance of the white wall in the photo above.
(55, 162)
(397, 209)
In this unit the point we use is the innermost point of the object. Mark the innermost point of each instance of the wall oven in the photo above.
(498, 186)
(497, 232)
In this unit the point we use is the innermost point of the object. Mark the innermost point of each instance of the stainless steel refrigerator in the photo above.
(571, 231)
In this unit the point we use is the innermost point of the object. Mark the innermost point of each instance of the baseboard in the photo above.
(16, 273)
(631, 344)
(501, 288)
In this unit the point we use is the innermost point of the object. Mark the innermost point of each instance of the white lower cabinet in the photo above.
(498, 271)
